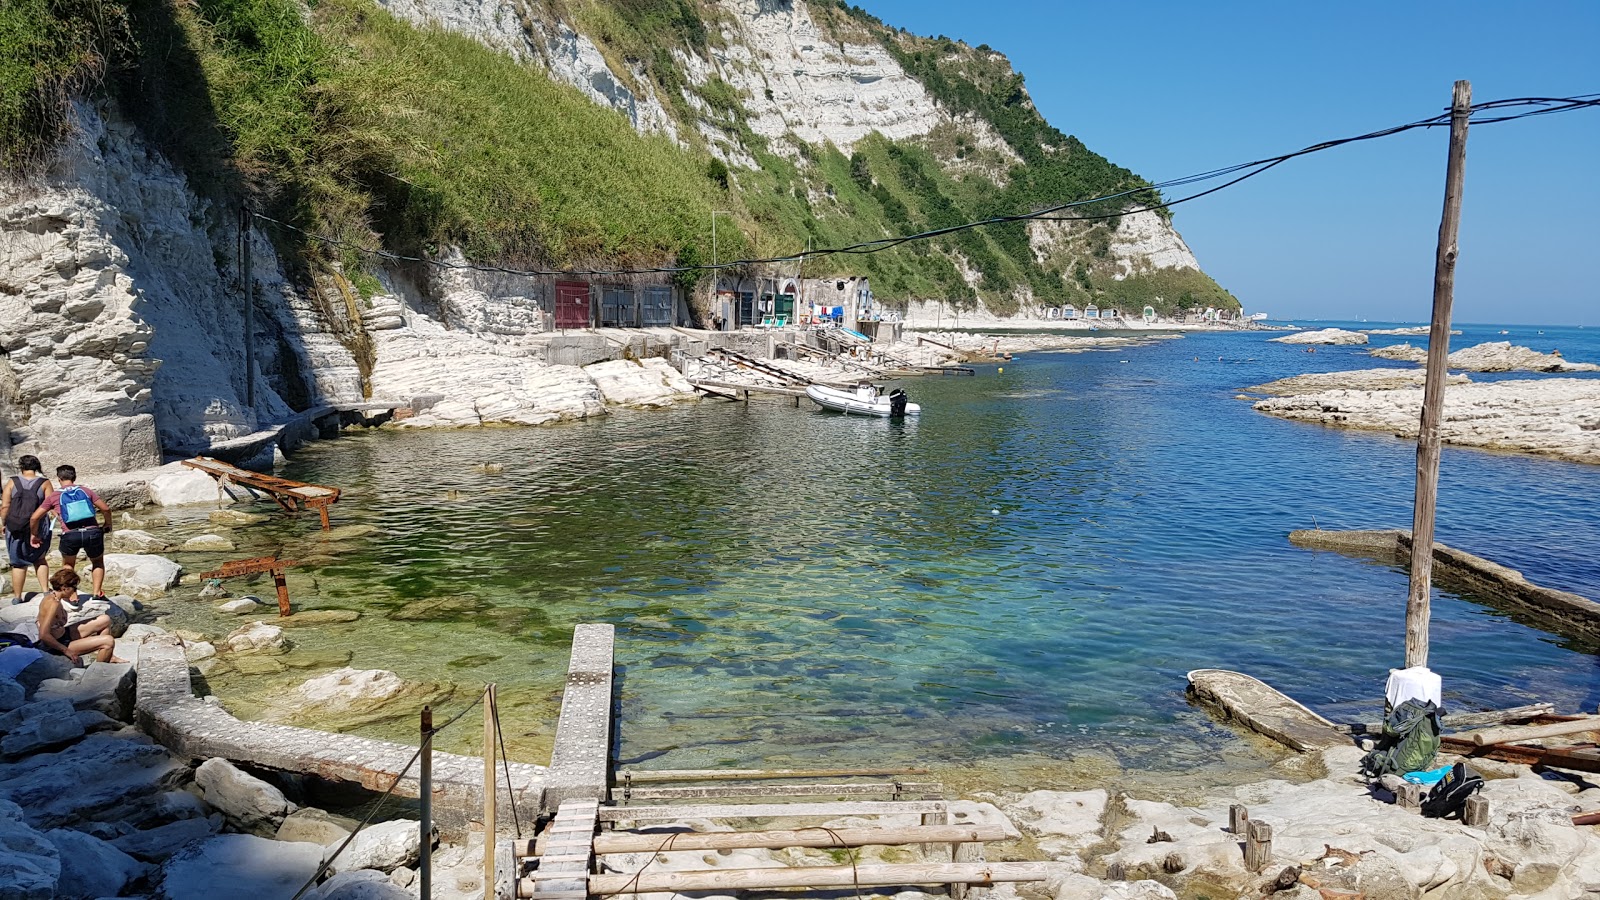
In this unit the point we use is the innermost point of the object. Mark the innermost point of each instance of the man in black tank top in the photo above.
(19, 498)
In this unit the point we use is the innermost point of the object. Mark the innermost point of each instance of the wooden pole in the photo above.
(246, 219)
(623, 842)
(1444, 280)
(489, 791)
(425, 804)
(727, 880)
(1516, 734)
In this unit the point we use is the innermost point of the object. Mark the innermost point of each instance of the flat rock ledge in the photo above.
(1495, 356)
(1322, 336)
(1357, 380)
(1563, 612)
(189, 726)
(1555, 417)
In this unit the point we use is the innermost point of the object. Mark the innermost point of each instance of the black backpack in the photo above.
(1449, 797)
(23, 502)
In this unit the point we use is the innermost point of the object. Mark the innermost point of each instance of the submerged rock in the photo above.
(240, 607)
(438, 608)
(235, 517)
(131, 540)
(207, 543)
(307, 618)
(258, 636)
(358, 696)
(1323, 336)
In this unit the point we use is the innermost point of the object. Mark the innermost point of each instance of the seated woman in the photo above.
(72, 641)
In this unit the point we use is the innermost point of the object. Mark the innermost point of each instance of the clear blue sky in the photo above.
(1169, 89)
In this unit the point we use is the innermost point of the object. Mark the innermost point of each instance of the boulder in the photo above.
(240, 607)
(1323, 336)
(12, 694)
(143, 576)
(383, 845)
(314, 825)
(180, 485)
(198, 650)
(360, 696)
(91, 867)
(249, 803)
(362, 884)
(239, 865)
(258, 636)
(30, 865)
(234, 517)
(213, 590)
(107, 687)
(207, 543)
(131, 540)
(34, 726)
(129, 772)
(44, 666)
(642, 383)
(156, 844)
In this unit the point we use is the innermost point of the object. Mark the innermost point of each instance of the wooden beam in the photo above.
(657, 775)
(918, 789)
(822, 876)
(772, 810)
(1519, 734)
(622, 842)
(1464, 720)
(1444, 281)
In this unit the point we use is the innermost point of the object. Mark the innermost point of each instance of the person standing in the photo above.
(21, 496)
(78, 508)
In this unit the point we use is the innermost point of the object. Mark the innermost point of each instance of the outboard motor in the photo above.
(897, 404)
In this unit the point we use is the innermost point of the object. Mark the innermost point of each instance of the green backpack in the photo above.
(1409, 743)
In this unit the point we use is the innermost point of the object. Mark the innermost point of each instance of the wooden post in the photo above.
(1238, 819)
(1409, 796)
(280, 582)
(246, 220)
(489, 790)
(1476, 813)
(1444, 279)
(964, 853)
(1258, 846)
(425, 798)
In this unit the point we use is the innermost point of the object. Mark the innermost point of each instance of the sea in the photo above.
(1011, 586)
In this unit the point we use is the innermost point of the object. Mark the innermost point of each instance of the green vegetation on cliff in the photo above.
(343, 120)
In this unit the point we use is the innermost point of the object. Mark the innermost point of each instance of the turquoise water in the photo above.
(1025, 573)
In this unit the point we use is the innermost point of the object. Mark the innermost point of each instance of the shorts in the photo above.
(66, 639)
(89, 540)
(22, 555)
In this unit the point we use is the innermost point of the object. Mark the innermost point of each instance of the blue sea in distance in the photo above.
(1028, 571)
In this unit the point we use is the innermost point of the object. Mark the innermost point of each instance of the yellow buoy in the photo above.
(1002, 370)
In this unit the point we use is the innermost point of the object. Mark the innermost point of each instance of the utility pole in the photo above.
(1444, 281)
(246, 218)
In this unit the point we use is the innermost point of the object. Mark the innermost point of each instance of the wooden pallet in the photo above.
(291, 495)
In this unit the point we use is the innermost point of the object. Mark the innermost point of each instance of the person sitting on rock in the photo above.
(72, 641)
(19, 498)
(78, 508)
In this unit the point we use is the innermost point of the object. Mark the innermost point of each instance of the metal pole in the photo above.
(246, 219)
(1444, 280)
(489, 791)
(425, 794)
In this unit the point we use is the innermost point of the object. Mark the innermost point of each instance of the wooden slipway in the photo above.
(1263, 708)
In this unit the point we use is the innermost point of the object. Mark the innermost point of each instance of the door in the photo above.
(572, 304)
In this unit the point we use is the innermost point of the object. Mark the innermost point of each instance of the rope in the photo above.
(378, 804)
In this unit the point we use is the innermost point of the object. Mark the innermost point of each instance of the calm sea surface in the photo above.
(1025, 573)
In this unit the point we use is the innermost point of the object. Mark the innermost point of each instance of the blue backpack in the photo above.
(76, 507)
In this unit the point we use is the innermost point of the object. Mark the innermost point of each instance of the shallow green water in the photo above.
(1021, 577)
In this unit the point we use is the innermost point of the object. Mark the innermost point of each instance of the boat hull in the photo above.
(848, 403)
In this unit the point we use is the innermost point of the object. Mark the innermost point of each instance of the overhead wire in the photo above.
(1053, 212)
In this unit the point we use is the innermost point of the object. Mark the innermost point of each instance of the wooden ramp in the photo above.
(1264, 709)
(599, 812)
(291, 495)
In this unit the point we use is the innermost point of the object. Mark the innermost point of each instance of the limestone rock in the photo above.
(257, 636)
(646, 382)
(1322, 336)
(308, 618)
(207, 543)
(482, 384)
(198, 650)
(1493, 356)
(12, 694)
(107, 687)
(1062, 821)
(235, 517)
(1558, 417)
(257, 665)
(156, 844)
(240, 607)
(316, 826)
(239, 865)
(1358, 380)
(361, 884)
(30, 864)
(143, 576)
(129, 540)
(91, 867)
(968, 812)
(383, 845)
(247, 801)
(180, 485)
(329, 658)
(129, 770)
(45, 722)
(350, 696)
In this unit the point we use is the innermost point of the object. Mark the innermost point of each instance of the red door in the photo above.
(572, 304)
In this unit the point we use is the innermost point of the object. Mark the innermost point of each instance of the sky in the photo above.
(1174, 88)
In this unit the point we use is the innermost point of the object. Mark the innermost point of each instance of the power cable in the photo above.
(1540, 106)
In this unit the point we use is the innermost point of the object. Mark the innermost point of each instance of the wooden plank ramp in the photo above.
(291, 495)
(1264, 709)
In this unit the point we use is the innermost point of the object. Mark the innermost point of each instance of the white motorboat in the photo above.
(863, 401)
